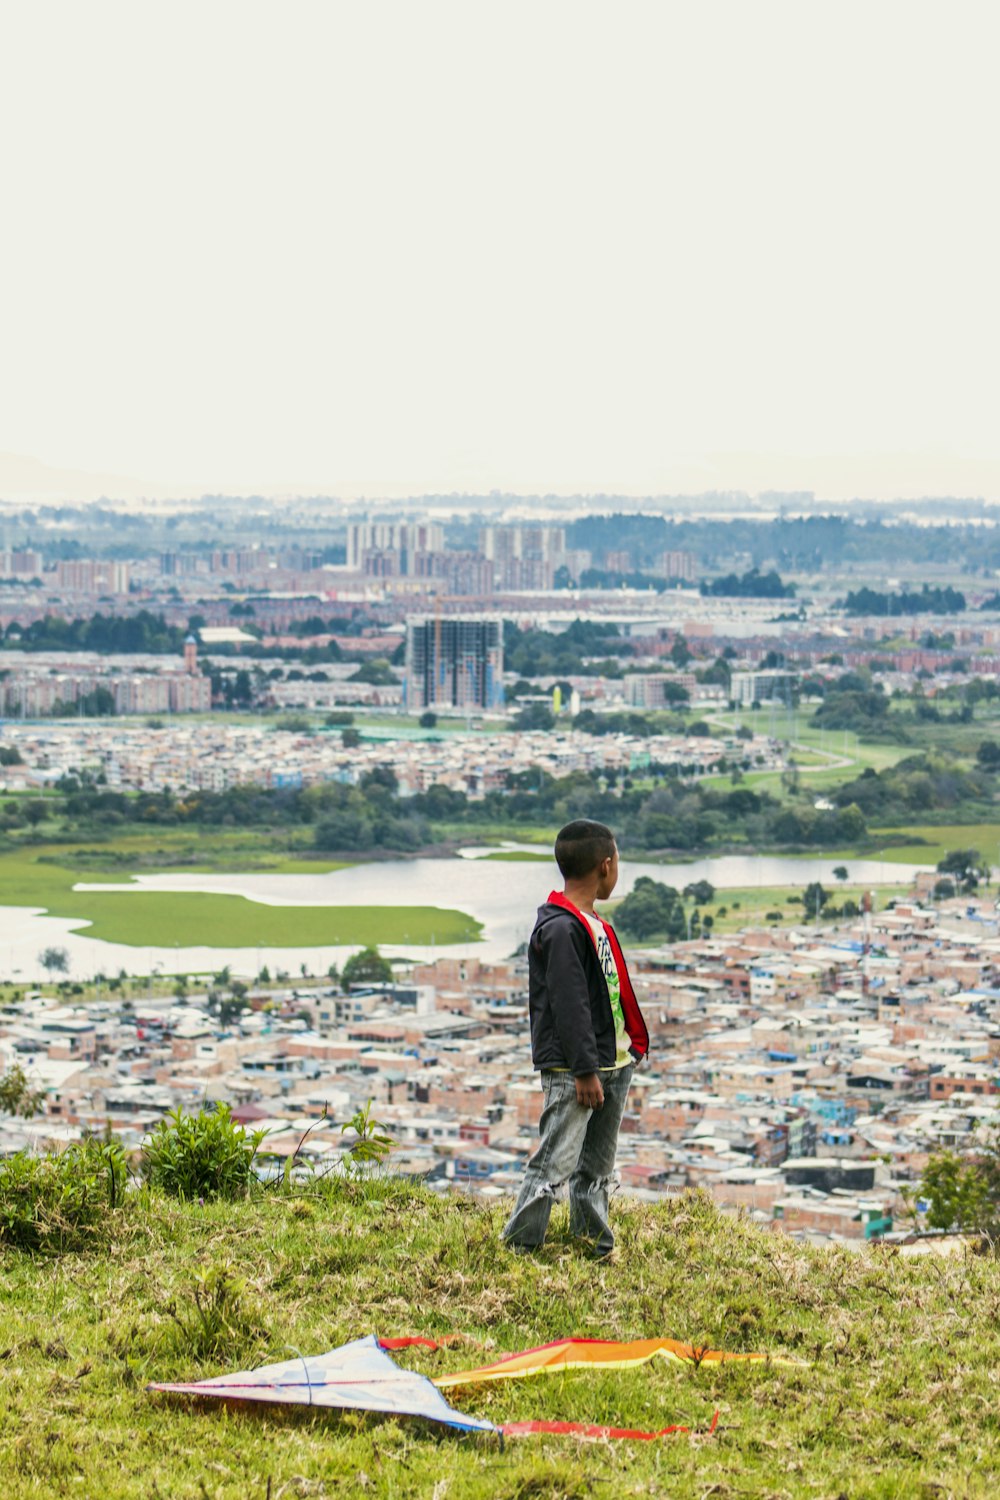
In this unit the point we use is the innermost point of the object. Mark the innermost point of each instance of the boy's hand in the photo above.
(589, 1091)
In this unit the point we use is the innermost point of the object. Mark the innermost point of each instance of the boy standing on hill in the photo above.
(587, 1034)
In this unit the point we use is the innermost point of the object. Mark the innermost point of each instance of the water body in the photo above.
(502, 894)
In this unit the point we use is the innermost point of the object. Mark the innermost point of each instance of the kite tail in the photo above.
(589, 1430)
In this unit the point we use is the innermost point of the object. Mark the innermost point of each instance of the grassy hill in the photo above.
(900, 1395)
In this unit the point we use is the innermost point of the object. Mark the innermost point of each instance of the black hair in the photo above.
(581, 846)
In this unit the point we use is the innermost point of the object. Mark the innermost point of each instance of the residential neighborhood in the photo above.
(802, 1076)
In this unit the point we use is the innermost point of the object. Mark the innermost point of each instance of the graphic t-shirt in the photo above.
(606, 958)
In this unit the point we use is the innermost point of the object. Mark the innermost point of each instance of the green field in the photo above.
(478, 834)
(192, 919)
(892, 1395)
(937, 841)
(755, 902)
(747, 906)
(520, 856)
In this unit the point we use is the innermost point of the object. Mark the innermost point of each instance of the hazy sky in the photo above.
(394, 247)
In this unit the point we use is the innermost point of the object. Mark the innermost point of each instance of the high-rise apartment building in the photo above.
(22, 562)
(387, 549)
(523, 556)
(87, 575)
(677, 565)
(454, 662)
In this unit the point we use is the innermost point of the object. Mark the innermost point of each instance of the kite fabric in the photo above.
(587, 1429)
(581, 1354)
(357, 1376)
(361, 1377)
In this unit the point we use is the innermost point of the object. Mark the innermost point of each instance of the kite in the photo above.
(358, 1376)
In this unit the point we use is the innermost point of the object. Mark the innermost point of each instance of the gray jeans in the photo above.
(577, 1146)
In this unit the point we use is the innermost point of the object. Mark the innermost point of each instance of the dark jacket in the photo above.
(568, 1002)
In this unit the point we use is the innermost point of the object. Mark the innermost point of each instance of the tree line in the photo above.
(659, 812)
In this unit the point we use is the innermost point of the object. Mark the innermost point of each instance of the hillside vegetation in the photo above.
(897, 1395)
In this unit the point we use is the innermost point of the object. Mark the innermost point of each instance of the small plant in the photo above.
(370, 1151)
(60, 1202)
(201, 1156)
(213, 1318)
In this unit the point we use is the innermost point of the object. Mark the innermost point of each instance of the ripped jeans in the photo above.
(577, 1145)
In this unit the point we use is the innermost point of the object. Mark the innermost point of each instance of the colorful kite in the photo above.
(360, 1376)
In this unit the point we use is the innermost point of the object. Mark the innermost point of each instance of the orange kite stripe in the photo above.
(583, 1354)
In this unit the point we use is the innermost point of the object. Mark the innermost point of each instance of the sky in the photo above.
(393, 248)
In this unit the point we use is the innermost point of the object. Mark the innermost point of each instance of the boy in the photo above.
(587, 1033)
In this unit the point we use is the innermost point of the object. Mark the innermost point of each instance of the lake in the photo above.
(502, 894)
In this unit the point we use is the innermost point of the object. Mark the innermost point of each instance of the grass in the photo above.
(756, 901)
(489, 833)
(895, 1398)
(747, 906)
(194, 919)
(936, 840)
(518, 856)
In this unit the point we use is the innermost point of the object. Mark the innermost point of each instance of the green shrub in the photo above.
(201, 1156)
(369, 1151)
(212, 1318)
(60, 1202)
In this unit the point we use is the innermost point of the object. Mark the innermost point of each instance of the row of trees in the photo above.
(806, 543)
(661, 812)
(927, 600)
(143, 631)
(751, 585)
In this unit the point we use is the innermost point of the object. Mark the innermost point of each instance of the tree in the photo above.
(964, 1191)
(350, 739)
(652, 909)
(428, 719)
(700, 892)
(814, 898)
(377, 673)
(964, 864)
(840, 872)
(535, 716)
(366, 967)
(230, 1009)
(17, 1097)
(54, 960)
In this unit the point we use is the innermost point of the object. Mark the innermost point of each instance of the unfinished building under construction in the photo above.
(454, 662)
